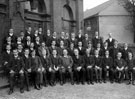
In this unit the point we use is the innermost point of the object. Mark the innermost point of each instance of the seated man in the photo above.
(27, 66)
(89, 65)
(98, 66)
(67, 64)
(16, 70)
(130, 68)
(45, 63)
(55, 67)
(36, 66)
(107, 67)
(78, 67)
(119, 64)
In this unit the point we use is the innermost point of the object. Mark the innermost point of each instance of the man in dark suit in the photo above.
(73, 40)
(110, 40)
(27, 67)
(114, 50)
(97, 39)
(29, 33)
(16, 69)
(81, 49)
(107, 67)
(36, 68)
(80, 37)
(6, 56)
(125, 51)
(55, 68)
(78, 67)
(89, 65)
(47, 38)
(130, 69)
(98, 66)
(119, 64)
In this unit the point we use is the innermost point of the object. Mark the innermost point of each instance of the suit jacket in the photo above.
(98, 61)
(89, 60)
(35, 63)
(110, 43)
(107, 62)
(67, 61)
(113, 52)
(125, 53)
(6, 57)
(70, 52)
(55, 61)
(78, 61)
(81, 51)
(16, 64)
(27, 62)
(119, 63)
(80, 38)
(51, 49)
(95, 41)
(46, 62)
(130, 63)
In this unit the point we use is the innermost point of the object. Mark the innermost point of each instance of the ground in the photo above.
(67, 91)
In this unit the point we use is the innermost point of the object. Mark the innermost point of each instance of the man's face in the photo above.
(61, 43)
(96, 52)
(107, 53)
(76, 52)
(53, 43)
(80, 44)
(130, 55)
(43, 44)
(28, 38)
(86, 36)
(106, 44)
(44, 52)
(33, 53)
(26, 52)
(8, 47)
(119, 55)
(15, 52)
(72, 45)
(96, 33)
(65, 52)
(125, 45)
(54, 52)
(72, 35)
(29, 29)
(80, 32)
(20, 47)
(54, 34)
(40, 29)
(62, 34)
(48, 32)
(11, 31)
(110, 35)
(98, 45)
(87, 51)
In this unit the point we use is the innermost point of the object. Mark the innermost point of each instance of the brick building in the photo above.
(56, 15)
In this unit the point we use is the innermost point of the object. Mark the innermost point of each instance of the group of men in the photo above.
(43, 59)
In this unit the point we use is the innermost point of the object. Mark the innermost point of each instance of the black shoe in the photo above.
(10, 92)
(88, 82)
(133, 83)
(128, 83)
(36, 87)
(104, 81)
(21, 91)
(61, 83)
(28, 89)
(91, 83)
(72, 82)
(83, 83)
(40, 86)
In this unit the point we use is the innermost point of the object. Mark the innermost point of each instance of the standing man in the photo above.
(110, 40)
(97, 39)
(80, 37)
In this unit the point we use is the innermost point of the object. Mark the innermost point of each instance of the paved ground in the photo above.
(97, 91)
